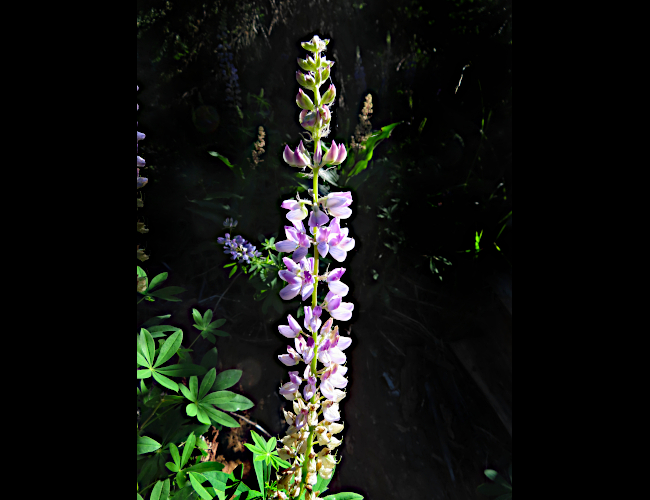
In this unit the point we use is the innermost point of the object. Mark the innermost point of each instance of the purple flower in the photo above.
(290, 389)
(337, 204)
(334, 283)
(310, 388)
(317, 217)
(297, 240)
(341, 311)
(332, 379)
(298, 277)
(312, 319)
(332, 350)
(293, 330)
(292, 358)
(297, 210)
(339, 243)
(305, 348)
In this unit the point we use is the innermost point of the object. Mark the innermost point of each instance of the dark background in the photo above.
(429, 403)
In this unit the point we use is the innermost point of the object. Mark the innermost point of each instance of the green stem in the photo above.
(152, 414)
(159, 416)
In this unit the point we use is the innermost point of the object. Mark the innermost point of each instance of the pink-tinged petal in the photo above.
(288, 391)
(286, 246)
(288, 156)
(331, 414)
(332, 154)
(340, 289)
(300, 227)
(327, 390)
(301, 148)
(337, 356)
(344, 343)
(289, 292)
(293, 324)
(335, 274)
(289, 277)
(338, 254)
(309, 391)
(336, 201)
(303, 240)
(287, 360)
(342, 194)
(341, 212)
(291, 265)
(343, 312)
(293, 376)
(287, 331)
(318, 153)
(347, 244)
(342, 154)
(333, 303)
(327, 327)
(335, 226)
(290, 204)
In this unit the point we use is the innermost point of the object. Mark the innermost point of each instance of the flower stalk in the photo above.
(318, 341)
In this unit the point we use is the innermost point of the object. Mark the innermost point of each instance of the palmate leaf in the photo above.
(165, 382)
(219, 397)
(207, 383)
(156, 281)
(188, 449)
(168, 293)
(147, 345)
(169, 348)
(182, 370)
(160, 491)
(197, 317)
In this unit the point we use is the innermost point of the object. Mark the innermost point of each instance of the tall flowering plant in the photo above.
(317, 389)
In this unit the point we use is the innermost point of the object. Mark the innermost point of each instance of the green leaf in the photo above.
(144, 374)
(197, 317)
(206, 467)
(173, 449)
(188, 449)
(220, 417)
(187, 393)
(237, 403)
(232, 271)
(142, 361)
(172, 466)
(168, 293)
(207, 382)
(255, 449)
(222, 158)
(207, 317)
(343, 496)
(218, 398)
(196, 479)
(221, 333)
(164, 381)
(147, 445)
(259, 472)
(230, 265)
(194, 387)
(147, 345)
(202, 416)
(169, 348)
(182, 370)
(156, 281)
(226, 379)
(191, 410)
(160, 491)
(364, 156)
(210, 359)
(217, 323)
(270, 445)
(259, 440)
(497, 478)
(156, 320)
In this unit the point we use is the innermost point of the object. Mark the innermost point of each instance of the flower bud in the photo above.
(306, 81)
(336, 154)
(308, 64)
(303, 101)
(329, 95)
(315, 45)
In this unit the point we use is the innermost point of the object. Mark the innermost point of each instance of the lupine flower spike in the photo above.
(316, 403)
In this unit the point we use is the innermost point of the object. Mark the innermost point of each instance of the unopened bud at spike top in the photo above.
(329, 95)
